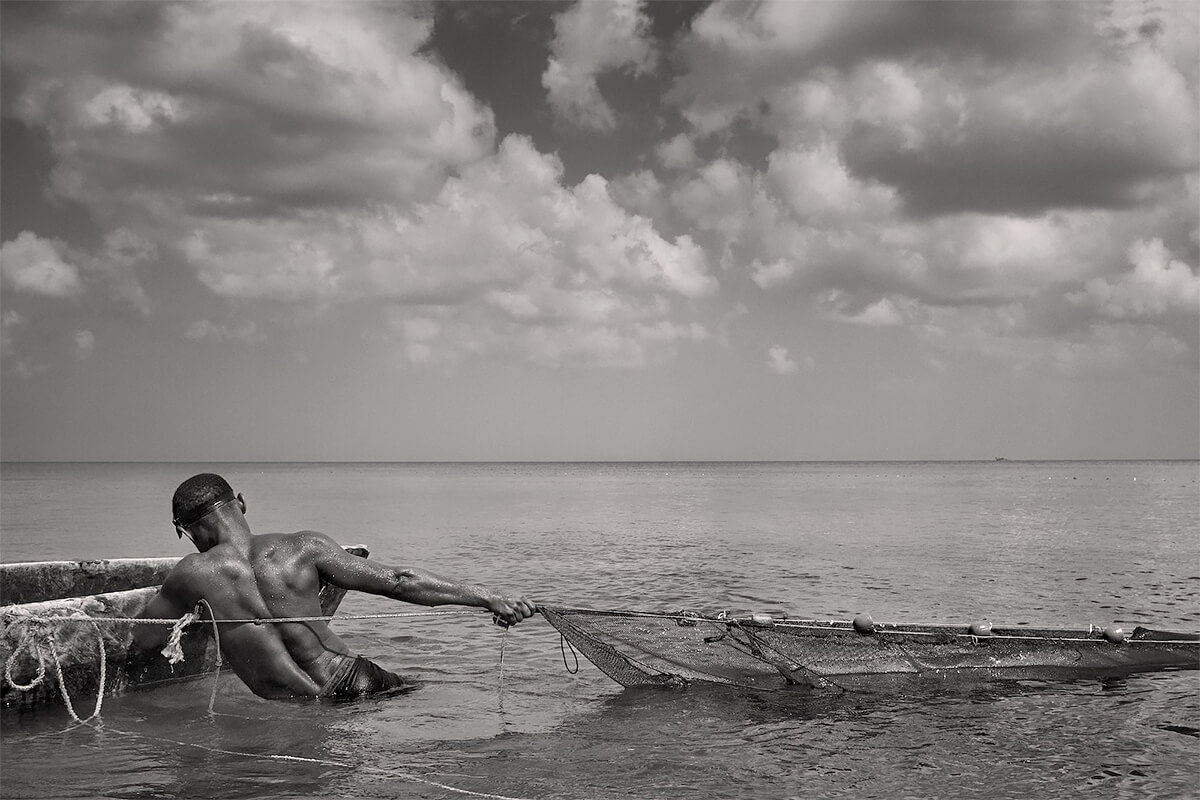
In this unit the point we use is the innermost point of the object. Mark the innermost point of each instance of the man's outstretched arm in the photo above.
(408, 584)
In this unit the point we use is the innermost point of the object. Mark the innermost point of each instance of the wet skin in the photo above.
(244, 576)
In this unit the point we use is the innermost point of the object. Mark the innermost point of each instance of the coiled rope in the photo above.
(43, 644)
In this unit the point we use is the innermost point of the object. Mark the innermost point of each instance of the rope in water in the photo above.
(173, 651)
(407, 776)
(212, 698)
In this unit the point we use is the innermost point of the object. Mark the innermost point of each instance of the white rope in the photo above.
(15, 617)
(212, 698)
(173, 652)
(34, 644)
(503, 641)
(40, 642)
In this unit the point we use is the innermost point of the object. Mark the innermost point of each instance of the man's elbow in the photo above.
(402, 585)
(148, 637)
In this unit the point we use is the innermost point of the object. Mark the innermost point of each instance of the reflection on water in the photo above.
(1071, 544)
(1136, 737)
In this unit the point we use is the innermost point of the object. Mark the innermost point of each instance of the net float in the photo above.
(980, 627)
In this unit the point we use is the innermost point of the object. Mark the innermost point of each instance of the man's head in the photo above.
(197, 497)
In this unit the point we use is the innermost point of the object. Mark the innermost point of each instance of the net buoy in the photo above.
(980, 627)
(765, 620)
(1114, 634)
(864, 624)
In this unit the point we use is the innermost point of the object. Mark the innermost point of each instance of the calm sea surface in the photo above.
(1063, 543)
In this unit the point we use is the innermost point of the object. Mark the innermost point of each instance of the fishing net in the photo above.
(653, 649)
(644, 649)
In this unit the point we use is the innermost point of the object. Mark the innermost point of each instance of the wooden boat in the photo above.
(86, 590)
(759, 651)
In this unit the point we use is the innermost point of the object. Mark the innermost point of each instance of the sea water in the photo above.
(1057, 544)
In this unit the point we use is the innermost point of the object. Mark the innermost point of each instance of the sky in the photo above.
(463, 231)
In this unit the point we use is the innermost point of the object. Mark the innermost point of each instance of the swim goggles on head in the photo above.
(200, 512)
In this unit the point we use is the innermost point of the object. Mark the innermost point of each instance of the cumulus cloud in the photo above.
(207, 329)
(315, 154)
(1027, 141)
(83, 344)
(884, 312)
(809, 226)
(505, 259)
(814, 184)
(33, 265)
(999, 107)
(677, 152)
(780, 361)
(563, 274)
(591, 39)
(187, 113)
(1158, 285)
(771, 45)
(9, 322)
(118, 263)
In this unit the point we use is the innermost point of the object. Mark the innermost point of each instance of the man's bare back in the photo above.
(243, 576)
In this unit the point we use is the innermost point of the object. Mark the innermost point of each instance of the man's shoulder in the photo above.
(191, 564)
(190, 573)
(296, 537)
(299, 541)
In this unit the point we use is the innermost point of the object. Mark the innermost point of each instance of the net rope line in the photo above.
(645, 667)
(745, 648)
(832, 625)
(14, 617)
(840, 626)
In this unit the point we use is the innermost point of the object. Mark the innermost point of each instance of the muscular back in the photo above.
(278, 575)
(273, 576)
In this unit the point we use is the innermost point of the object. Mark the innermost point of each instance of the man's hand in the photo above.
(509, 611)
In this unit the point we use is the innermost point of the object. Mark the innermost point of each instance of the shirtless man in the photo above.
(246, 576)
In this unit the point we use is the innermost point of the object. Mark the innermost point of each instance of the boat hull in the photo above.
(76, 645)
(641, 649)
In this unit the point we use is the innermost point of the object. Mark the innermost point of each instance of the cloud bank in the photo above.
(318, 154)
(977, 168)
(1015, 180)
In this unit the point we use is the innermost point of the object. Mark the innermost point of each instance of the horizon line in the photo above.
(993, 460)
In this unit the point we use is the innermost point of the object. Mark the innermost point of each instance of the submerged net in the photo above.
(645, 649)
(654, 649)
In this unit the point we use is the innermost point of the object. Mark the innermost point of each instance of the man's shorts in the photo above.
(355, 676)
